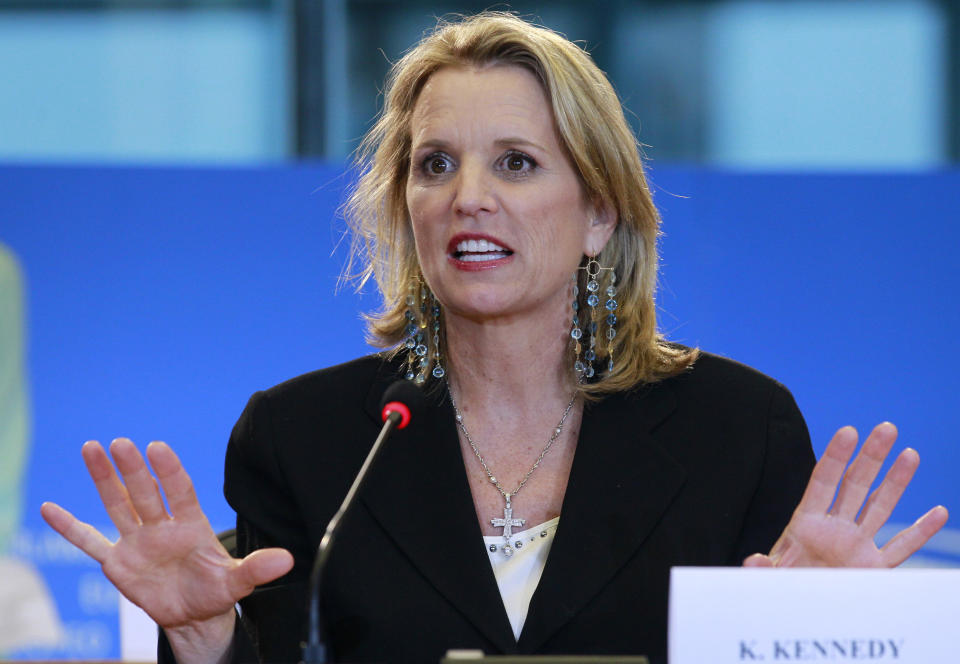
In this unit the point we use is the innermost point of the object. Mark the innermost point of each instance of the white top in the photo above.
(518, 574)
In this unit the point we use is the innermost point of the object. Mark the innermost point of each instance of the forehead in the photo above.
(493, 99)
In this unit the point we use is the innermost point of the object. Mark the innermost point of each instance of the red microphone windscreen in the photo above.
(404, 398)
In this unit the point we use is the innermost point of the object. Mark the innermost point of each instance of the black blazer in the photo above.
(701, 469)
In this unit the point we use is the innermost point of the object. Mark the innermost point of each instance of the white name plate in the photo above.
(734, 615)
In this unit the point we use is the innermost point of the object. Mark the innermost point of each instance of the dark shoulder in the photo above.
(723, 383)
(720, 409)
(347, 381)
(303, 414)
(710, 368)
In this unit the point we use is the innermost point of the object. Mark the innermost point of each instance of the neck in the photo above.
(524, 362)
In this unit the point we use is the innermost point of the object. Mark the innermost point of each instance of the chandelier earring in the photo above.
(586, 326)
(438, 370)
(422, 333)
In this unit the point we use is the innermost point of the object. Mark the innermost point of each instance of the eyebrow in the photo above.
(506, 142)
(511, 140)
(432, 143)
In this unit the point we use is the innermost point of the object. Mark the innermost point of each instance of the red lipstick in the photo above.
(484, 253)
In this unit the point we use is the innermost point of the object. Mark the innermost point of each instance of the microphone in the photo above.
(403, 398)
(400, 402)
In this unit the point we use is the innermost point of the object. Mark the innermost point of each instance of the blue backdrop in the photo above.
(159, 299)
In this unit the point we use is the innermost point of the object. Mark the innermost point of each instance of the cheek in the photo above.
(561, 228)
(422, 205)
(416, 212)
(427, 237)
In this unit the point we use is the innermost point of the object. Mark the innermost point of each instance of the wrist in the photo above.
(203, 642)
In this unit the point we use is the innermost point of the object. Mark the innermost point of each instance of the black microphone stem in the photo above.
(314, 650)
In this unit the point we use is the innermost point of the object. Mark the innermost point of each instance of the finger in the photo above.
(113, 494)
(140, 484)
(261, 566)
(881, 504)
(863, 471)
(176, 483)
(826, 475)
(867, 506)
(82, 535)
(758, 560)
(909, 541)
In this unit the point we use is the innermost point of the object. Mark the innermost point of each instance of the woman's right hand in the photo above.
(170, 565)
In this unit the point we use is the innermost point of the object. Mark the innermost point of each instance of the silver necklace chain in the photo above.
(508, 521)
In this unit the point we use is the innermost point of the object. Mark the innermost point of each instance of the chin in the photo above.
(480, 306)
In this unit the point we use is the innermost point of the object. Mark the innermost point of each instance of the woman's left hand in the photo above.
(828, 532)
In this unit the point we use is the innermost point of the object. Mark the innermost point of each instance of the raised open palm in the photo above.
(171, 565)
(833, 526)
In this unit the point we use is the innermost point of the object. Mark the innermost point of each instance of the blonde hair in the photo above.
(604, 152)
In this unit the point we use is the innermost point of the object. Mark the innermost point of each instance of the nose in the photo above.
(474, 191)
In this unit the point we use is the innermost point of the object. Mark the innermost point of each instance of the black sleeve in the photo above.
(257, 488)
(787, 464)
(274, 615)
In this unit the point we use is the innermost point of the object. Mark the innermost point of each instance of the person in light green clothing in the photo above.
(13, 398)
(28, 615)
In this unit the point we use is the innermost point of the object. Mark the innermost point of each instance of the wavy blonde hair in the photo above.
(604, 152)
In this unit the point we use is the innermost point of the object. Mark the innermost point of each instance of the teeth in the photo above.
(478, 246)
(476, 258)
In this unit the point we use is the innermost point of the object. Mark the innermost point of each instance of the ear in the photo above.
(600, 228)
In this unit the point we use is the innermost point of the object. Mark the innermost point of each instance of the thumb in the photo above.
(261, 566)
(758, 560)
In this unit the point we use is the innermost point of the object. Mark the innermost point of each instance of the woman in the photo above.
(504, 213)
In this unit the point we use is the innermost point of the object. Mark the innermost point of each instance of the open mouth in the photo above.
(477, 251)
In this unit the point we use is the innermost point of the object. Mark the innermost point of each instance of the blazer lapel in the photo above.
(621, 482)
(417, 487)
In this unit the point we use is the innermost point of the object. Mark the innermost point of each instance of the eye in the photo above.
(518, 163)
(437, 164)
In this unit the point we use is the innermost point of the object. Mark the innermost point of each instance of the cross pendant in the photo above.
(507, 523)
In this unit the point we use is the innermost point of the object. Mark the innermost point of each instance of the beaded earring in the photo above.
(423, 348)
(583, 365)
(438, 370)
